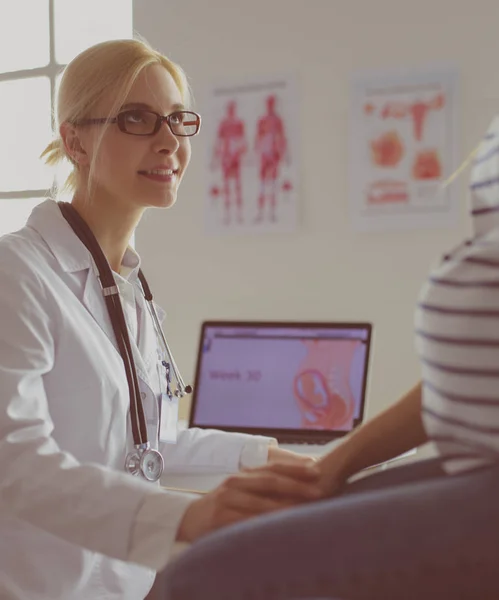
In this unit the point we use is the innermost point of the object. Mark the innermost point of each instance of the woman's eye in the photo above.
(134, 117)
(177, 118)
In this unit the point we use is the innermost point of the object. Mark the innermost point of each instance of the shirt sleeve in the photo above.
(153, 536)
(207, 451)
(255, 452)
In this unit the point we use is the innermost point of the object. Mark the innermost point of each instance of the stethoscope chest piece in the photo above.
(146, 462)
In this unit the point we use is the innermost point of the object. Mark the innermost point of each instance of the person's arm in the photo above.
(41, 484)
(396, 430)
(87, 504)
(245, 495)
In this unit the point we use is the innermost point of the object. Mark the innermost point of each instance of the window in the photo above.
(33, 52)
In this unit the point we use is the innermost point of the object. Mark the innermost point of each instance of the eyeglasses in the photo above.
(182, 123)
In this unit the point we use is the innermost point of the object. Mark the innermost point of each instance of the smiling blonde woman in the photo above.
(82, 392)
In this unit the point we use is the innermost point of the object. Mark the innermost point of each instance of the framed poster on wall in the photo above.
(403, 147)
(252, 156)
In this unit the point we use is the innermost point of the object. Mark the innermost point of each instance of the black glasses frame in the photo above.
(120, 120)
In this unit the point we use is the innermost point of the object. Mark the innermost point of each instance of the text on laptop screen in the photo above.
(281, 378)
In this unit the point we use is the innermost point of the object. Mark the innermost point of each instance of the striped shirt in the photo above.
(457, 330)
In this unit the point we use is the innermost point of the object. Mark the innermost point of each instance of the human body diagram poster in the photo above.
(252, 174)
(403, 148)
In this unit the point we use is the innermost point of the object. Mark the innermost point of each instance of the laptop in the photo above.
(302, 383)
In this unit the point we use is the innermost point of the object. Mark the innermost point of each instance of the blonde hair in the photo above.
(109, 66)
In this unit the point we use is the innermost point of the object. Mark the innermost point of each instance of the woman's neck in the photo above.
(112, 223)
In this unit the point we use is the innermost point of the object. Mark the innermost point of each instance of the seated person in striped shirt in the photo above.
(399, 533)
(456, 404)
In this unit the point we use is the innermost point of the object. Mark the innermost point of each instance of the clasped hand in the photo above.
(286, 480)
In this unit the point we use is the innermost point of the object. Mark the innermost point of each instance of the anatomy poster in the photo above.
(403, 148)
(252, 157)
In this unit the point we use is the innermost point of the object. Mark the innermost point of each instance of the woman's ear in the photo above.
(73, 144)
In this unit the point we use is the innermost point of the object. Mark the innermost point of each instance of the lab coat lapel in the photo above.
(141, 362)
(94, 302)
(74, 258)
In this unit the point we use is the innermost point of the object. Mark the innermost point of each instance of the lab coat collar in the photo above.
(64, 244)
(73, 256)
(67, 248)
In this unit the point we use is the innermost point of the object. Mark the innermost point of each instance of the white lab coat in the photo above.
(70, 517)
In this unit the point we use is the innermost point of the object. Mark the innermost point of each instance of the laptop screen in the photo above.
(297, 382)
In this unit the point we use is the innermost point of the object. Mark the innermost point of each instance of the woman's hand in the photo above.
(330, 466)
(253, 492)
(279, 455)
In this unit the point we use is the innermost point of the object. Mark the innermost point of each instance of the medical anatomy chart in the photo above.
(252, 174)
(403, 148)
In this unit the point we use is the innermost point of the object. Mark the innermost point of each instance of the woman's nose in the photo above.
(165, 141)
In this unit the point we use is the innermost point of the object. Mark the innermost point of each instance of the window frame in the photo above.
(51, 71)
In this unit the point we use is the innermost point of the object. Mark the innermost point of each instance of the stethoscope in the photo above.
(143, 461)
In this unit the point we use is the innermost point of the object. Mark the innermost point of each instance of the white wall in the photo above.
(325, 270)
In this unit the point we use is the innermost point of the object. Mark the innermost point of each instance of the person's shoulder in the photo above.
(473, 264)
(19, 243)
(21, 252)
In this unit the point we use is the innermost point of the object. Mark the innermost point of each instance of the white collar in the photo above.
(67, 248)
